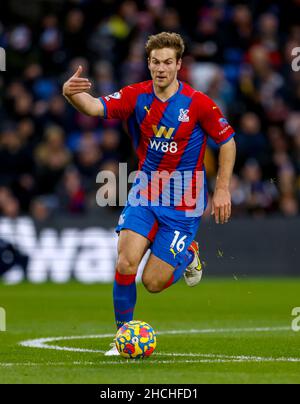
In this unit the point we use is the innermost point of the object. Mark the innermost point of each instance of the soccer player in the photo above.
(169, 123)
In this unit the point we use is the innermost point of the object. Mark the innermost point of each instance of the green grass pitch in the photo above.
(222, 331)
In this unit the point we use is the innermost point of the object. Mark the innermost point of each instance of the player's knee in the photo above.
(126, 266)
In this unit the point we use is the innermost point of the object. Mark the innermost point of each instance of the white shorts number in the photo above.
(178, 242)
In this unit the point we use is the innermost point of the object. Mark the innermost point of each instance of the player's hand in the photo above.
(221, 205)
(76, 84)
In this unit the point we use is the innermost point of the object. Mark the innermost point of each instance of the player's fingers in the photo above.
(217, 215)
(79, 80)
(80, 85)
(226, 213)
(222, 214)
(76, 82)
(78, 71)
(79, 89)
(83, 84)
(212, 207)
(73, 91)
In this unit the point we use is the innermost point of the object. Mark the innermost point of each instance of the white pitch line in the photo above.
(224, 330)
(42, 343)
(120, 362)
(233, 359)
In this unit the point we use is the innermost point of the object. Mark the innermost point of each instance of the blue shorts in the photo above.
(169, 230)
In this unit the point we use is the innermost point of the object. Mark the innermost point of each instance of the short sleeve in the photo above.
(121, 104)
(213, 121)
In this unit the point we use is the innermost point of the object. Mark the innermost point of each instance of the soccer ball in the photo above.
(135, 340)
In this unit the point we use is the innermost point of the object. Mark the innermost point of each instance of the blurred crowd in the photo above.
(238, 53)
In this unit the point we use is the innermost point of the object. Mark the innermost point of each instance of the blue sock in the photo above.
(179, 270)
(124, 294)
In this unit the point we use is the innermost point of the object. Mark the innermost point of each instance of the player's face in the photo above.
(163, 67)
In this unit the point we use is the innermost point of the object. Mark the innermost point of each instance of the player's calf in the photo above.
(124, 290)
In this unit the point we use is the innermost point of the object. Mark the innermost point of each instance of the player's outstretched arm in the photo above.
(221, 203)
(74, 90)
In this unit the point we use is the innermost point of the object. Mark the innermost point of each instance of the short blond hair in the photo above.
(166, 40)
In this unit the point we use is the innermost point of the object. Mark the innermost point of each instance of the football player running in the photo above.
(169, 123)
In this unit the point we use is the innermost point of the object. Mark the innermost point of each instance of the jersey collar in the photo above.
(172, 96)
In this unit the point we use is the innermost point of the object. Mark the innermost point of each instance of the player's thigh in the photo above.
(156, 273)
(168, 253)
(139, 219)
(131, 249)
(171, 245)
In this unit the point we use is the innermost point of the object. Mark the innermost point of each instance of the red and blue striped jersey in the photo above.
(169, 135)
